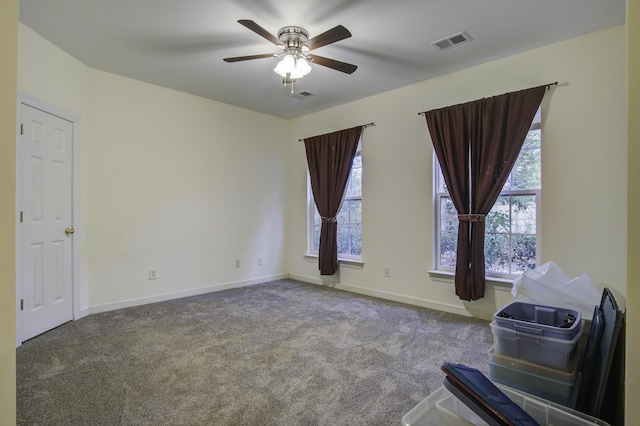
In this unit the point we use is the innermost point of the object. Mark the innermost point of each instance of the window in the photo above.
(349, 217)
(511, 235)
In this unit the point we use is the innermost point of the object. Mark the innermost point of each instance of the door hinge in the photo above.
(22, 304)
(21, 217)
(22, 129)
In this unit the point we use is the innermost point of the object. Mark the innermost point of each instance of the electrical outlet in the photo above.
(237, 263)
(153, 274)
(387, 271)
(259, 260)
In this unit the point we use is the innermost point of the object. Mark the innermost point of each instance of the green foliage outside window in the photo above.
(510, 234)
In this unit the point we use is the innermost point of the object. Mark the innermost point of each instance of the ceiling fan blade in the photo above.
(336, 65)
(331, 36)
(260, 31)
(248, 58)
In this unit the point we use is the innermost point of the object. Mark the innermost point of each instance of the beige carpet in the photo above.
(280, 353)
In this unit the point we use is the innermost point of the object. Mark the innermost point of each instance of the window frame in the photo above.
(311, 209)
(438, 199)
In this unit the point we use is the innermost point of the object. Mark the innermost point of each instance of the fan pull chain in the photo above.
(284, 82)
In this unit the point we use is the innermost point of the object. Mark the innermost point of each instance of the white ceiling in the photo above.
(180, 44)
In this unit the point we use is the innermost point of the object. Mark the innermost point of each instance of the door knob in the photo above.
(69, 231)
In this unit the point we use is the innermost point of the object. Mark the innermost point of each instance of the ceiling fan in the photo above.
(295, 44)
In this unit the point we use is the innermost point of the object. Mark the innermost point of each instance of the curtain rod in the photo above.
(363, 126)
(548, 85)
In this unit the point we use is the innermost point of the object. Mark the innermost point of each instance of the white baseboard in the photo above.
(179, 294)
(306, 279)
(410, 300)
(83, 312)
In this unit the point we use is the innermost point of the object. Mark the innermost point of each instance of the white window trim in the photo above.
(310, 211)
(497, 283)
(343, 261)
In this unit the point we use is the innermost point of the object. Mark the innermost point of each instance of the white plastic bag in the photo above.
(548, 285)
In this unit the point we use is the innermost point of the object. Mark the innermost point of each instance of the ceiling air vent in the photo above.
(302, 95)
(451, 41)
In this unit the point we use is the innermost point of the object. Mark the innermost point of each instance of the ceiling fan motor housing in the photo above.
(293, 37)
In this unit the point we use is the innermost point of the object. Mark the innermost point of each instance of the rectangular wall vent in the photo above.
(302, 95)
(451, 41)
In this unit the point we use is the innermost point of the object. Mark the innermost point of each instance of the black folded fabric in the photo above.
(485, 398)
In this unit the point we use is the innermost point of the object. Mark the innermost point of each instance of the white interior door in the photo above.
(45, 232)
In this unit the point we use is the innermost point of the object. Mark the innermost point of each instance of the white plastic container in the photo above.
(452, 410)
(442, 407)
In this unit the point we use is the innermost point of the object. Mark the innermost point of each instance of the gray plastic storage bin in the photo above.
(546, 351)
(547, 321)
(548, 383)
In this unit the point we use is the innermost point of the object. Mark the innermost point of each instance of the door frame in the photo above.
(78, 265)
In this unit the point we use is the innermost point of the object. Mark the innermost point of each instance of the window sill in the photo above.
(497, 283)
(350, 263)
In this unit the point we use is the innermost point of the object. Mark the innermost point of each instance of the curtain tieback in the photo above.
(471, 217)
(329, 219)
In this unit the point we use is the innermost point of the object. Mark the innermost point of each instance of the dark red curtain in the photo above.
(477, 144)
(330, 158)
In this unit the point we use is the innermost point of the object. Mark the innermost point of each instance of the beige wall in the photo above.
(633, 274)
(181, 184)
(8, 78)
(584, 171)
(49, 74)
(166, 180)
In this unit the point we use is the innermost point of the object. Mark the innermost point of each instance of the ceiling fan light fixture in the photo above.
(292, 67)
(285, 66)
(301, 69)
